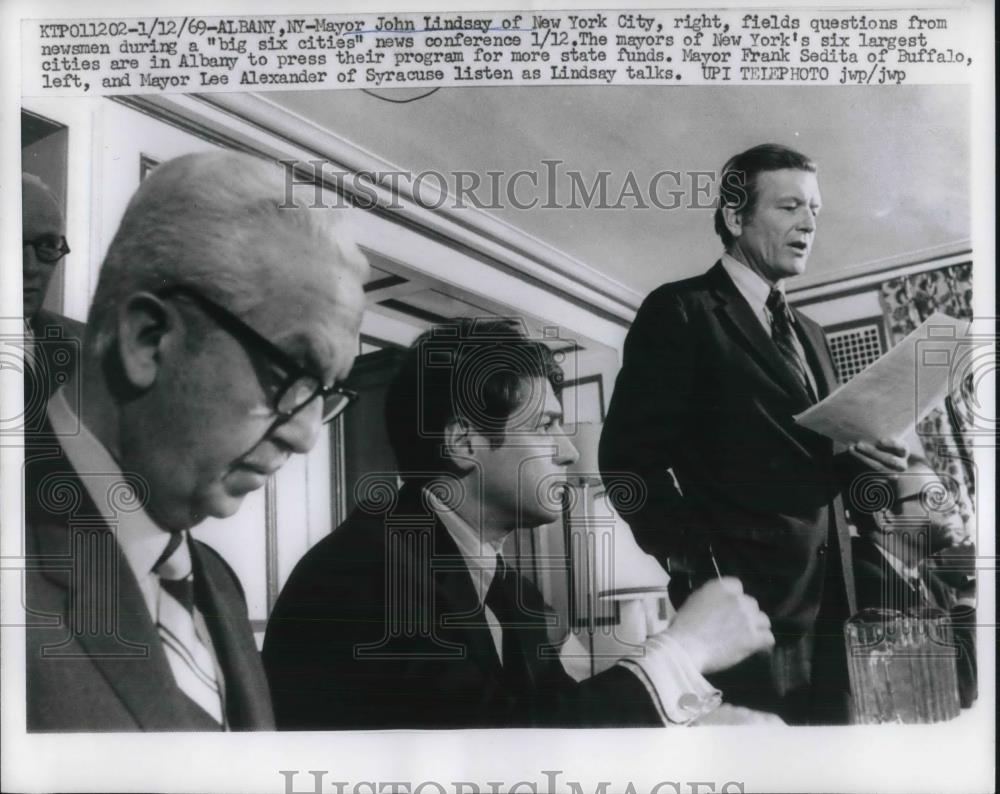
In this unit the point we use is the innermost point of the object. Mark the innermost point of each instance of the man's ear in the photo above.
(143, 325)
(458, 446)
(733, 219)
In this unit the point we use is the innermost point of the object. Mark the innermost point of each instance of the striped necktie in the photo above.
(190, 661)
(784, 338)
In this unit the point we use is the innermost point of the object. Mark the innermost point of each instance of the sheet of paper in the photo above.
(892, 394)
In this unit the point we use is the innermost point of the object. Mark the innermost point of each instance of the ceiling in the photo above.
(894, 162)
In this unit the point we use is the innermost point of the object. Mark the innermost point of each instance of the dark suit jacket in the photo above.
(379, 627)
(880, 587)
(94, 659)
(704, 393)
(58, 346)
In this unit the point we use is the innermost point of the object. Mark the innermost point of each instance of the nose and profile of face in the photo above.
(234, 408)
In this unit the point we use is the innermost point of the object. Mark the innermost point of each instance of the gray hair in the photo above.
(30, 180)
(212, 221)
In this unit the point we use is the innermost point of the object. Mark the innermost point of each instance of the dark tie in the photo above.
(502, 600)
(784, 338)
(190, 661)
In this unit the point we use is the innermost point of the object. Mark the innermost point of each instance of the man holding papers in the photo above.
(715, 369)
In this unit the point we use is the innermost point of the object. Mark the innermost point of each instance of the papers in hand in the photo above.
(888, 398)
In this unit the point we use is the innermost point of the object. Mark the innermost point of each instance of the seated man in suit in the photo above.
(715, 368)
(220, 326)
(408, 615)
(891, 566)
(52, 342)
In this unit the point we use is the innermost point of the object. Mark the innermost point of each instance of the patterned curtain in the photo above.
(907, 302)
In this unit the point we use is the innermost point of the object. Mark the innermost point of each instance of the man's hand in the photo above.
(885, 455)
(720, 626)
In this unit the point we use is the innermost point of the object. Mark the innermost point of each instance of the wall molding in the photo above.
(253, 123)
(861, 278)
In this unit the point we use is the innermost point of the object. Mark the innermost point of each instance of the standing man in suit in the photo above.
(891, 565)
(222, 321)
(52, 342)
(715, 367)
(408, 615)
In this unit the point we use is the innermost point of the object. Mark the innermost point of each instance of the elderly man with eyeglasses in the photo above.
(223, 319)
(51, 342)
(911, 516)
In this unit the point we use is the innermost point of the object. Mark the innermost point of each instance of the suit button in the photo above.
(821, 551)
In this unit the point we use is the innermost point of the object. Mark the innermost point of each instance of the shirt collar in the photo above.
(751, 285)
(140, 538)
(480, 555)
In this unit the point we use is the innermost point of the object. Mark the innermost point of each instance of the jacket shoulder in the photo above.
(350, 559)
(67, 328)
(693, 285)
(678, 295)
(866, 556)
(217, 567)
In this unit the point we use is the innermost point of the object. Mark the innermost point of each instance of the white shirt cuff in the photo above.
(681, 694)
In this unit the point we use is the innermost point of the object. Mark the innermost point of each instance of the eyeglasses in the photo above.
(297, 387)
(49, 248)
(931, 499)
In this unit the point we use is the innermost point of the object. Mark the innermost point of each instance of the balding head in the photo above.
(218, 294)
(221, 222)
(42, 230)
(923, 509)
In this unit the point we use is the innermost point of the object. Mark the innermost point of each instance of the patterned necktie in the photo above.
(190, 660)
(784, 338)
(500, 598)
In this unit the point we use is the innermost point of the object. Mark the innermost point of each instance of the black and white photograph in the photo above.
(374, 419)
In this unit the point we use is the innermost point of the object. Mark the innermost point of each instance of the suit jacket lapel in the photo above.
(900, 593)
(814, 342)
(106, 617)
(755, 338)
(455, 605)
(458, 606)
(248, 704)
(533, 632)
(463, 609)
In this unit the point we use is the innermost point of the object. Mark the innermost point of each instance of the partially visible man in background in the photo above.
(52, 342)
(220, 327)
(892, 565)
